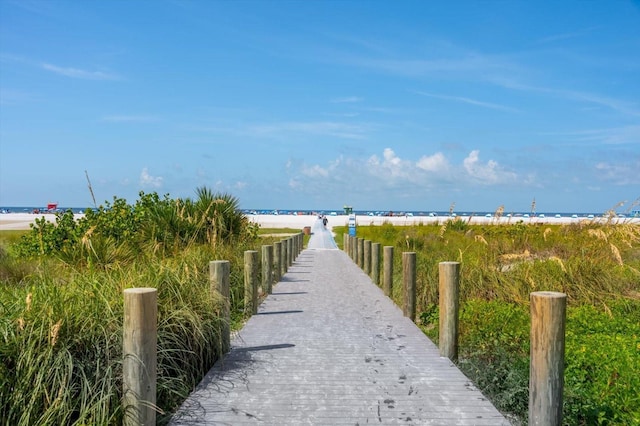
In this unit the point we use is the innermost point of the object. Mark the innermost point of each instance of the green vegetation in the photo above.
(61, 303)
(597, 266)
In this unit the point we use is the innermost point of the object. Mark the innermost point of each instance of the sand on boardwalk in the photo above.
(21, 221)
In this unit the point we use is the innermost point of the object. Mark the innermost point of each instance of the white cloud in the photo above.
(295, 184)
(390, 165)
(413, 177)
(79, 73)
(433, 163)
(146, 180)
(314, 171)
(487, 173)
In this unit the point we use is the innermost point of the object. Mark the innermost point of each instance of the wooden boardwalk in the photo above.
(328, 348)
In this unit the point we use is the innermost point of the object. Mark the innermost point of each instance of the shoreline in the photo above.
(21, 221)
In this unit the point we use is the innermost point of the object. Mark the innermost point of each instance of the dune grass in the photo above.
(597, 266)
(61, 304)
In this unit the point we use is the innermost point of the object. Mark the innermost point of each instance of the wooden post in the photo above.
(251, 282)
(139, 350)
(267, 268)
(284, 259)
(354, 250)
(361, 252)
(345, 243)
(367, 257)
(449, 288)
(375, 263)
(354, 240)
(409, 284)
(387, 270)
(294, 247)
(546, 371)
(290, 251)
(219, 271)
(277, 259)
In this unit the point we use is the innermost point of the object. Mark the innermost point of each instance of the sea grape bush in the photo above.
(119, 232)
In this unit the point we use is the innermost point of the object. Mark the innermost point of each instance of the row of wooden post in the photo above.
(548, 313)
(139, 349)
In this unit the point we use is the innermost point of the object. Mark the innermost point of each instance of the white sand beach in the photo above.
(18, 221)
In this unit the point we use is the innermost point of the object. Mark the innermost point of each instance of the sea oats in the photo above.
(616, 254)
(28, 301)
(559, 262)
(53, 333)
(480, 239)
(597, 233)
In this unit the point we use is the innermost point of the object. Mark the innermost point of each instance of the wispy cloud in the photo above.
(567, 35)
(622, 106)
(624, 135)
(79, 73)
(130, 118)
(347, 99)
(620, 173)
(453, 63)
(469, 101)
(326, 128)
(15, 97)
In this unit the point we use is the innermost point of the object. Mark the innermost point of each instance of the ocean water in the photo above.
(41, 209)
(435, 213)
(330, 212)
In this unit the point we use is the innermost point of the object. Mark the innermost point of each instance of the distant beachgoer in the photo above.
(325, 220)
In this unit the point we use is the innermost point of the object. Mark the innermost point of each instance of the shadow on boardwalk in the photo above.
(328, 348)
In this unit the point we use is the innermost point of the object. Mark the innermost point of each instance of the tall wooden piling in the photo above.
(139, 364)
(251, 282)
(267, 268)
(367, 257)
(219, 279)
(387, 270)
(290, 254)
(284, 259)
(449, 288)
(361, 252)
(375, 263)
(409, 284)
(546, 371)
(277, 259)
(354, 249)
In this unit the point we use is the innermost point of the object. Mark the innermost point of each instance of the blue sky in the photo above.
(403, 105)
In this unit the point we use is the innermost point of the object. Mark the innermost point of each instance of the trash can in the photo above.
(307, 230)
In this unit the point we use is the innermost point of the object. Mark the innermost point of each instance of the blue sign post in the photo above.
(352, 224)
